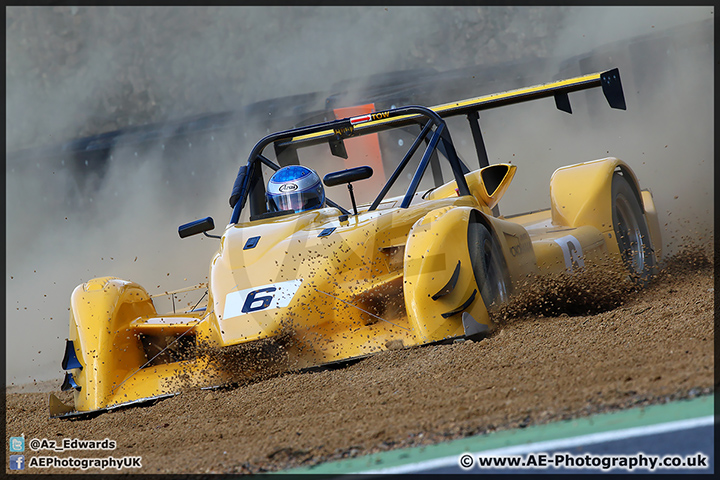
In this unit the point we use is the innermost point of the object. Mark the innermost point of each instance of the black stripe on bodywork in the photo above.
(461, 307)
(450, 286)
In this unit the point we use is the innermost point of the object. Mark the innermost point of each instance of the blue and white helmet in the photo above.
(295, 188)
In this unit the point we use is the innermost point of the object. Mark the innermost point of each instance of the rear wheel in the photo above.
(631, 231)
(488, 265)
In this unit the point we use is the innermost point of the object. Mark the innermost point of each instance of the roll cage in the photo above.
(249, 182)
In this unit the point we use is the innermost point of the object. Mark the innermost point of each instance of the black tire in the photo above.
(631, 231)
(488, 265)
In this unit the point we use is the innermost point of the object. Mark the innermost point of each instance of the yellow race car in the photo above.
(300, 281)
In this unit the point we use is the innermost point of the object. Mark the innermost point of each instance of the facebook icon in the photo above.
(17, 462)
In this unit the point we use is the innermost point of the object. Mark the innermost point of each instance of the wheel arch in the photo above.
(100, 312)
(581, 194)
(439, 281)
(577, 192)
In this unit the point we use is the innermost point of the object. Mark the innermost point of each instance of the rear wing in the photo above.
(608, 80)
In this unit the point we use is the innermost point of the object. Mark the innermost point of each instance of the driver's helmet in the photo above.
(295, 188)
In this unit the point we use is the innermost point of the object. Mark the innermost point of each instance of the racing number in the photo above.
(253, 298)
(267, 297)
(572, 252)
(575, 257)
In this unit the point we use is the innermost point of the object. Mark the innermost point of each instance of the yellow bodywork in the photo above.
(331, 289)
(294, 290)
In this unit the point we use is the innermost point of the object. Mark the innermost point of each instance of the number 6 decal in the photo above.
(267, 297)
(253, 298)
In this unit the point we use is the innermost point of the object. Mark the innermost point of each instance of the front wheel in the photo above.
(488, 265)
(631, 231)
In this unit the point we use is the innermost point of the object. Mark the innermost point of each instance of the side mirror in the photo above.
(198, 226)
(347, 176)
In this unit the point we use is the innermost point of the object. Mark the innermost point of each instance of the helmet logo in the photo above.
(288, 187)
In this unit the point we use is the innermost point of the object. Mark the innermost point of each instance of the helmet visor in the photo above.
(297, 201)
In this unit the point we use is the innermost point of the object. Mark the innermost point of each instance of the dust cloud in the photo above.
(74, 71)
(665, 135)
